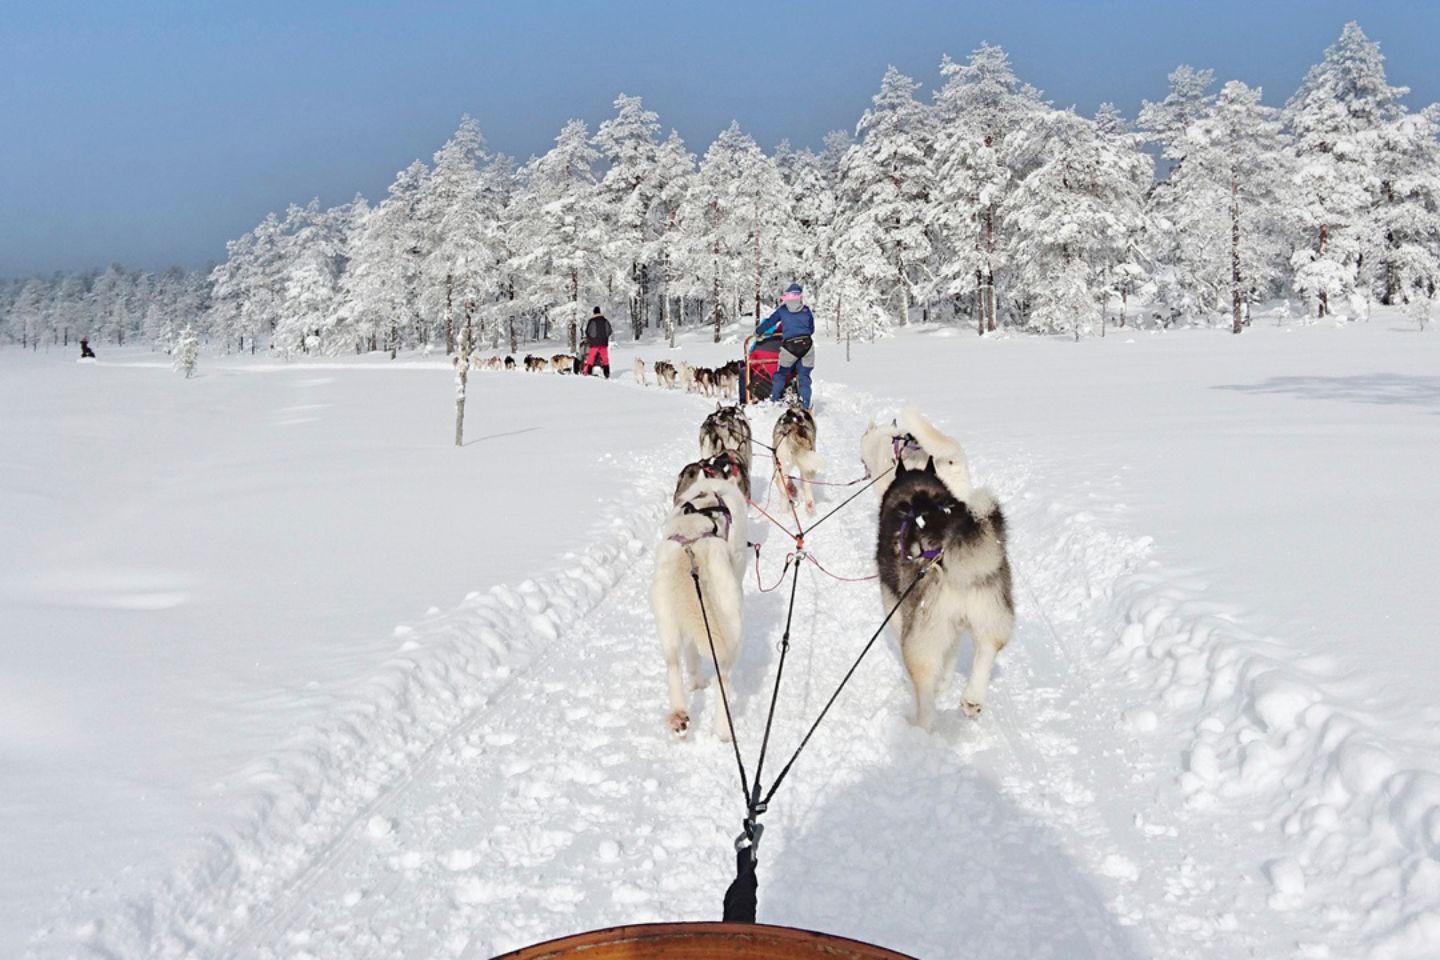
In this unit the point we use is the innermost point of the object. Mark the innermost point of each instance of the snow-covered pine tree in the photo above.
(1181, 226)
(675, 169)
(1076, 218)
(558, 232)
(803, 250)
(1402, 257)
(454, 208)
(380, 286)
(1335, 118)
(885, 183)
(629, 144)
(1234, 189)
(717, 226)
(977, 115)
(187, 351)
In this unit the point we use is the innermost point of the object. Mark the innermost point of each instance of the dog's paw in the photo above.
(699, 682)
(810, 507)
(679, 723)
(971, 708)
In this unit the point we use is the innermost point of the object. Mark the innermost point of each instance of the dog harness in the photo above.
(710, 513)
(901, 445)
(710, 470)
(905, 522)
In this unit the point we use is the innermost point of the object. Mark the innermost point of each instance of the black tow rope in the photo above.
(741, 895)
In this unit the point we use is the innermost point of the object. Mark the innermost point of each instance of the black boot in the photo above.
(606, 368)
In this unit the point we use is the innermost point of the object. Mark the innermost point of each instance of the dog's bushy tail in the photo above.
(982, 503)
(804, 459)
(937, 444)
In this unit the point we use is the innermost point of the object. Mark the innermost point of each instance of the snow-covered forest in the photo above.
(986, 206)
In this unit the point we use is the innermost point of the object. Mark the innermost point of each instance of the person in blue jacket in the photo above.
(796, 326)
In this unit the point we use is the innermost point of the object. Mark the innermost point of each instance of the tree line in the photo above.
(986, 205)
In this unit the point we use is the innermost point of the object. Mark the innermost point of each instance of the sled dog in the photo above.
(723, 466)
(913, 440)
(960, 543)
(728, 429)
(795, 456)
(535, 364)
(563, 363)
(706, 532)
(665, 374)
(509, 363)
(687, 377)
(639, 367)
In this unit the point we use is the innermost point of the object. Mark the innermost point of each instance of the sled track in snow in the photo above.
(525, 786)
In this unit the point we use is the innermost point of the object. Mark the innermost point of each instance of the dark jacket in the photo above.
(597, 332)
(788, 323)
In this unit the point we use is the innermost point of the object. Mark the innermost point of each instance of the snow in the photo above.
(237, 731)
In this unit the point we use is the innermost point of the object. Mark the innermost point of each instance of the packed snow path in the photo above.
(562, 803)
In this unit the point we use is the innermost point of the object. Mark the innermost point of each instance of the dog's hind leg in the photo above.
(679, 719)
(923, 657)
(947, 668)
(698, 680)
(987, 645)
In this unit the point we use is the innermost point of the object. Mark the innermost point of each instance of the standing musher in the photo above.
(597, 343)
(796, 326)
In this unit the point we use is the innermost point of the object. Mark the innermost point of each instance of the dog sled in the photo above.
(703, 941)
(762, 360)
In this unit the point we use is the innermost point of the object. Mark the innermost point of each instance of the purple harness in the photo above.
(899, 446)
(904, 547)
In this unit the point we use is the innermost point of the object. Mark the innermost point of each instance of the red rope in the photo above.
(811, 558)
(778, 580)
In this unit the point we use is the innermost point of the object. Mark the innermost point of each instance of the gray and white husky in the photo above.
(795, 456)
(960, 544)
(727, 429)
(709, 530)
(913, 440)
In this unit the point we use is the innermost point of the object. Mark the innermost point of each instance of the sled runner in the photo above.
(703, 941)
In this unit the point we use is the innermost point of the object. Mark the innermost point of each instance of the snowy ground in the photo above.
(1209, 739)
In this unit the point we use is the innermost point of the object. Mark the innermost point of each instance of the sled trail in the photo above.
(564, 804)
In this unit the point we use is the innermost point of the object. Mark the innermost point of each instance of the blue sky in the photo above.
(151, 132)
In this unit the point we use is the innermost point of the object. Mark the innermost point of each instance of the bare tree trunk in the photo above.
(449, 319)
(1324, 309)
(462, 377)
(574, 311)
(979, 302)
(1236, 300)
(716, 292)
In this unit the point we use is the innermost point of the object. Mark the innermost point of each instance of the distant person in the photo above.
(85, 352)
(597, 343)
(795, 324)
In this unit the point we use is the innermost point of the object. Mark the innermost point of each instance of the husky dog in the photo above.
(913, 440)
(706, 532)
(509, 363)
(727, 378)
(795, 456)
(489, 363)
(727, 429)
(687, 377)
(723, 466)
(665, 374)
(639, 368)
(563, 363)
(960, 544)
(535, 364)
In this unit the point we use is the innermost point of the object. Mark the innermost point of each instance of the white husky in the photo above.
(913, 441)
(706, 532)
